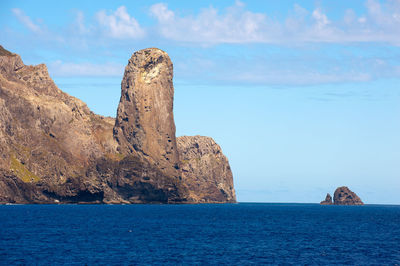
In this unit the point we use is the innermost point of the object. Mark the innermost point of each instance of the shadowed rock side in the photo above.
(328, 200)
(54, 149)
(205, 170)
(344, 196)
(47, 138)
(145, 121)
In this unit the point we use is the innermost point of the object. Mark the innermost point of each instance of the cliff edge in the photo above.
(205, 170)
(53, 149)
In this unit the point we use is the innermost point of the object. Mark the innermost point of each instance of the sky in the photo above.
(302, 96)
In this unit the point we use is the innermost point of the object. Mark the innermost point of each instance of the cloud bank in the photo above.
(295, 50)
(381, 23)
(236, 24)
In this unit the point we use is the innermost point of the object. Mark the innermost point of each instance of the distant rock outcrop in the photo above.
(205, 170)
(53, 149)
(328, 200)
(344, 196)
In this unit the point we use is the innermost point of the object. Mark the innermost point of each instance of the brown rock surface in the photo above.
(328, 200)
(145, 121)
(145, 127)
(54, 149)
(205, 170)
(344, 196)
(46, 136)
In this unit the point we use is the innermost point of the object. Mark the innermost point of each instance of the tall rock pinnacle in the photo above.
(145, 122)
(53, 149)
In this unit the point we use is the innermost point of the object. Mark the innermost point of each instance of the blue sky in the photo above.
(303, 96)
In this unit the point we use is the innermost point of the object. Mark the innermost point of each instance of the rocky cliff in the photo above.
(54, 149)
(328, 200)
(145, 121)
(205, 170)
(344, 196)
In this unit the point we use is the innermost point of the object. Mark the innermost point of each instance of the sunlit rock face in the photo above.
(145, 121)
(53, 149)
(205, 170)
(344, 196)
(48, 139)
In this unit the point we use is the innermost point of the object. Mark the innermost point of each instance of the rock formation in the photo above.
(145, 121)
(145, 127)
(328, 200)
(54, 149)
(47, 138)
(205, 170)
(344, 196)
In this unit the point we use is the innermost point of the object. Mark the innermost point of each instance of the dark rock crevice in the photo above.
(81, 197)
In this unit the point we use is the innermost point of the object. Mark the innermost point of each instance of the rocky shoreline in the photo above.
(55, 150)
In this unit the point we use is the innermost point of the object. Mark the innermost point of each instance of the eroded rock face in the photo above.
(328, 200)
(145, 127)
(53, 149)
(145, 121)
(46, 136)
(344, 196)
(205, 170)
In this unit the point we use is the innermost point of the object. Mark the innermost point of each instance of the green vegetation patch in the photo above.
(21, 172)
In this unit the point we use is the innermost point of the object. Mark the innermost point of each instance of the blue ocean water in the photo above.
(237, 234)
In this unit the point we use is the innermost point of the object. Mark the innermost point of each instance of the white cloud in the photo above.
(24, 19)
(68, 69)
(120, 24)
(235, 24)
(287, 67)
(320, 18)
(162, 13)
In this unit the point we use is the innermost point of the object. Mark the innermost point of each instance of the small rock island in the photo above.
(342, 196)
(54, 149)
(328, 200)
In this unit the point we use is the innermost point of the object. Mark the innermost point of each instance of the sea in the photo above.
(203, 234)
